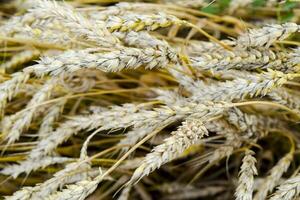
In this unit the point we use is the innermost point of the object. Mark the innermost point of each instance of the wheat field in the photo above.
(142, 100)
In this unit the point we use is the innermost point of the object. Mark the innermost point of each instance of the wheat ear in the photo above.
(189, 133)
(244, 189)
(267, 35)
(10, 88)
(77, 23)
(14, 125)
(273, 178)
(288, 190)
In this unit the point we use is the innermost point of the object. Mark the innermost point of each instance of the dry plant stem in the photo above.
(209, 36)
(237, 4)
(86, 94)
(273, 104)
(188, 3)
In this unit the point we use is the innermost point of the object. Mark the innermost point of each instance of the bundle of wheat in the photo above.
(136, 100)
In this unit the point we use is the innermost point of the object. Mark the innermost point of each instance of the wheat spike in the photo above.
(244, 189)
(30, 165)
(249, 59)
(14, 125)
(288, 190)
(189, 133)
(77, 23)
(128, 58)
(10, 88)
(20, 58)
(267, 35)
(273, 178)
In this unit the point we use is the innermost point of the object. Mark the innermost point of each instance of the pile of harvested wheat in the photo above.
(172, 100)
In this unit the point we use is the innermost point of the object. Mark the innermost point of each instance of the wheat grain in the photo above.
(141, 22)
(194, 193)
(285, 97)
(71, 127)
(228, 96)
(251, 126)
(140, 131)
(197, 48)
